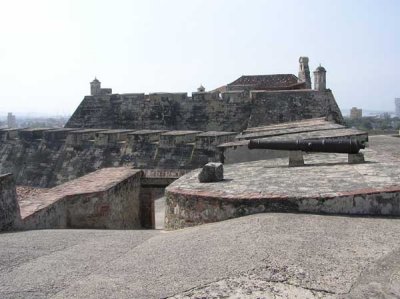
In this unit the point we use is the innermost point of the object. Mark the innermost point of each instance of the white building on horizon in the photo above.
(397, 105)
(11, 121)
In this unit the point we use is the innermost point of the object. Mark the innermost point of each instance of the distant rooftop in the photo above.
(266, 81)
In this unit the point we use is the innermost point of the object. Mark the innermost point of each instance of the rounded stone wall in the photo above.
(257, 187)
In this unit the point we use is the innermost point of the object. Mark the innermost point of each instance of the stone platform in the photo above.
(275, 255)
(326, 184)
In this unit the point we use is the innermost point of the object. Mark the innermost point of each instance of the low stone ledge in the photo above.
(111, 137)
(144, 136)
(56, 134)
(185, 210)
(107, 199)
(172, 139)
(211, 139)
(32, 133)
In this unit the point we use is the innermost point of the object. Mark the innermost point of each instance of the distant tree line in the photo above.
(42, 122)
(372, 124)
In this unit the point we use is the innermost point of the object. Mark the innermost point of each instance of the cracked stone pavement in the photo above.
(258, 256)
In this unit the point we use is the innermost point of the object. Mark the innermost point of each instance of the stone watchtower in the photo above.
(320, 79)
(201, 88)
(95, 87)
(304, 72)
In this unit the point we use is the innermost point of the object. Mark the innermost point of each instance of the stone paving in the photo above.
(326, 175)
(259, 256)
(327, 183)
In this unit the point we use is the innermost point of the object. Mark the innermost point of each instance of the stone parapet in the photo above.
(167, 95)
(31, 133)
(205, 96)
(211, 139)
(111, 137)
(144, 136)
(54, 135)
(79, 137)
(9, 134)
(107, 199)
(174, 138)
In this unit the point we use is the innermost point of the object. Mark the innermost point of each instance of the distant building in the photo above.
(355, 113)
(11, 120)
(397, 104)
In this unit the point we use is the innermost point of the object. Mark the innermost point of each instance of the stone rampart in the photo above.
(57, 156)
(65, 154)
(9, 208)
(205, 111)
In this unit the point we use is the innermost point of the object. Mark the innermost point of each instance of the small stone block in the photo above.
(296, 158)
(211, 172)
(356, 158)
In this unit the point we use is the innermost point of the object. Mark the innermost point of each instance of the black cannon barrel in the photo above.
(348, 146)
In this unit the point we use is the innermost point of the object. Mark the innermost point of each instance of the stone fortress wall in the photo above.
(249, 101)
(226, 111)
(49, 157)
(131, 129)
(159, 131)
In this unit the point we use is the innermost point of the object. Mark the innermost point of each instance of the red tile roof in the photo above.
(266, 81)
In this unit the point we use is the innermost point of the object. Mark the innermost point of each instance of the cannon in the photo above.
(346, 146)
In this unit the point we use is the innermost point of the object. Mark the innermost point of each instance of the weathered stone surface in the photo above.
(107, 198)
(326, 184)
(229, 111)
(9, 208)
(254, 256)
(65, 154)
(24, 192)
(211, 172)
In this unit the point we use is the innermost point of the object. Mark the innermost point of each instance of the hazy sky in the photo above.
(51, 50)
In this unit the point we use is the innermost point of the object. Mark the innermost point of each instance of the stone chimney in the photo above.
(304, 72)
